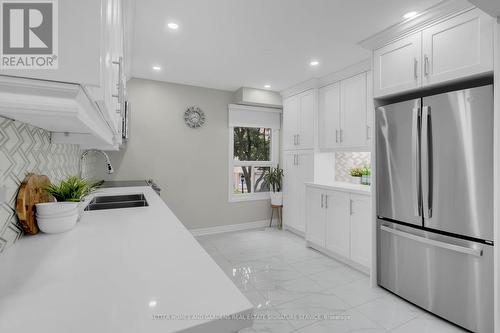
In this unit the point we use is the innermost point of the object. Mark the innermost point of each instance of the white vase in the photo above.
(355, 180)
(276, 198)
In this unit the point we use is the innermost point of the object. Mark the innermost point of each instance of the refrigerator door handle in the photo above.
(432, 242)
(415, 155)
(426, 158)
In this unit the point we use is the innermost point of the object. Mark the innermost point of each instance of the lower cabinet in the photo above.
(340, 223)
(298, 168)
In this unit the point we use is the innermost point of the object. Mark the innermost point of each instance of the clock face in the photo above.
(194, 117)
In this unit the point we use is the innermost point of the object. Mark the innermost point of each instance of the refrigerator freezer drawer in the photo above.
(450, 277)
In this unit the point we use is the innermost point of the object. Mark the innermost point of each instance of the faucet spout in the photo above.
(109, 167)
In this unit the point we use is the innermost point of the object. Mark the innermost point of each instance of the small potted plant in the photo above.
(366, 175)
(356, 174)
(274, 177)
(62, 215)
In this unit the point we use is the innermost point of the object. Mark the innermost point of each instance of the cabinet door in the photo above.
(397, 66)
(291, 205)
(315, 216)
(370, 108)
(290, 122)
(329, 116)
(306, 120)
(459, 47)
(305, 173)
(337, 222)
(353, 111)
(361, 231)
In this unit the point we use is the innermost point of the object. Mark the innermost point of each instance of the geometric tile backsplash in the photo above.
(344, 161)
(23, 149)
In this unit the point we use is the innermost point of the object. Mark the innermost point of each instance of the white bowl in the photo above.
(61, 214)
(57, 225)
(54, 208)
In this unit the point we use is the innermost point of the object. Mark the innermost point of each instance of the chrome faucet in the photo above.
(109, 167)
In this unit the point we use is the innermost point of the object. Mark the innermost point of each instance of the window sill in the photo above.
(251, 197)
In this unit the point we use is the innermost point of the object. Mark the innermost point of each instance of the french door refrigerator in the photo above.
(435, 204)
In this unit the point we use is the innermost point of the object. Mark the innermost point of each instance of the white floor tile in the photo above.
(350, 321)
(358, 292)
(427, 324)
(337, 276)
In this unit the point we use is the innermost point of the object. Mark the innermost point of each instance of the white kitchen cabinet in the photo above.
(396, 67)
(91, 55)
(459, 47)
(456, 48)
(353, 111)
(337, 222)
(298, 120)
(290, 122)
(361, 236)
(343, 114)
(298, 169)
(329, 116)
(315, 216)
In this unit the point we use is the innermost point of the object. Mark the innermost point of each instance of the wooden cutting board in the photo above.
(31, 192)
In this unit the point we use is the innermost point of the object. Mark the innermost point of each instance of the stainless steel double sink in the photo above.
(117, 201)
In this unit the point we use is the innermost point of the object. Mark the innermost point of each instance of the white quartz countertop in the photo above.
(341, 186)
(119, 270)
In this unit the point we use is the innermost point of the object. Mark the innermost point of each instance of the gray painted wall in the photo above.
(190, 165)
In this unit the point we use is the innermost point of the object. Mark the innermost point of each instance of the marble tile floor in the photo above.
(297, 289)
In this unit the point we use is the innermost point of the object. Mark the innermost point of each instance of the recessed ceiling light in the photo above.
(173, 25)
(409, 15)
(267, 86)
(157, 68)
(314, 63)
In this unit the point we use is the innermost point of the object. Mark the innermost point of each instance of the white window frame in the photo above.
(273, 163)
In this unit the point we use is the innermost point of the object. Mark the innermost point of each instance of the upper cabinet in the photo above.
(344, 114)
(90, 56)
(298, 121)
(456, 48)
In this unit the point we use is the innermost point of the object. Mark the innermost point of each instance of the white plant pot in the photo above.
(355, 180)
(276, 198)
(56, 217)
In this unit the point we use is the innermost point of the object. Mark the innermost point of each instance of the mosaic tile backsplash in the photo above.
(23, 149)
(344, 161)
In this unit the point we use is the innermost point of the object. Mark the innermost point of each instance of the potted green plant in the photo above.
(62, 215)
(366, 175)
(356, 174)
(274, 178)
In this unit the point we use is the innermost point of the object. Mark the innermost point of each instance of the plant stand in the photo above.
(279, 212)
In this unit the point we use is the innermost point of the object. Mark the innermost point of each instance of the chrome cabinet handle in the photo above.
(298, 139)
(297, 159)
(368, 132)
(322, 195)
(341, 136)
(120, 95)
(326, 201)
(336, 136)
(415, 68)
(432, 242)
(426, 163)
(426, 65)
(415, 165)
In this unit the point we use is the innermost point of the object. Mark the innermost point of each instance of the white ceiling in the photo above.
(226, 44)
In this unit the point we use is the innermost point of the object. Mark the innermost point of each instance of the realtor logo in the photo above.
(29, 34)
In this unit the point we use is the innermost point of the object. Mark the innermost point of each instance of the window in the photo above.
(253, 151)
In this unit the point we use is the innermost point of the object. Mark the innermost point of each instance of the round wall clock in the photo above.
(194, 117)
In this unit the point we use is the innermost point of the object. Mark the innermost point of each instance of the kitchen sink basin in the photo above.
(117, 201)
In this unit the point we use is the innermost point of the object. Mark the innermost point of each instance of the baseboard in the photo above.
(229, 228)
(347, 261)
(294, 231)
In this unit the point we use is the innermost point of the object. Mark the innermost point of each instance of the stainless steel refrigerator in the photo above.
(435, 204)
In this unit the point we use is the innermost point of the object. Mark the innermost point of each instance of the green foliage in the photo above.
(366, 171)
(251, 144)
(72, 189)
(356, 172)
(274, 177)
